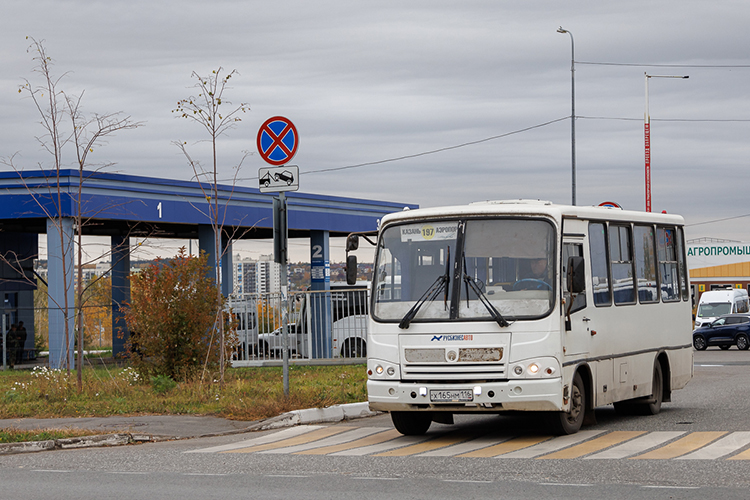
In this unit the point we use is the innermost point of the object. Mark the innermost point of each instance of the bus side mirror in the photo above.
(351, 268)
(576, 278)
(352, 242)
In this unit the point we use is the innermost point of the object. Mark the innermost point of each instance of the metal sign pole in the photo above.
(5, 344)
(277, 142)
(282, 258)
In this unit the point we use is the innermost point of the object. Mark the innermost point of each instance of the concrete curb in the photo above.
(334, 413)
(65, 444)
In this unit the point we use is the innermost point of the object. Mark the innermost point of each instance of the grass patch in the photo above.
(13, 435)
(247, 393)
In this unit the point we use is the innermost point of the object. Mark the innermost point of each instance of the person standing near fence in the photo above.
(20, 342)
(12, 339)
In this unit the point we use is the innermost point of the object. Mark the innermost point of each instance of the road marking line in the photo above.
(656, 487)
(268, 438)
(637, 445)
(378, 438)
(691, 442)
(594, 445)
(379, 478)
(442, 441)
(507, 446)
(304, 438)
(333, 440)
(466, 481)
(555, 444)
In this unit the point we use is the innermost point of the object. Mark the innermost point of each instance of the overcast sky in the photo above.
(378, 80)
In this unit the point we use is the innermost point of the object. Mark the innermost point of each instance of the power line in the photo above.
(717, 120)
(717, 220)
(593, 63)
(425, 153)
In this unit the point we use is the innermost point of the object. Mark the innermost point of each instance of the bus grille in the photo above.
(454, 371)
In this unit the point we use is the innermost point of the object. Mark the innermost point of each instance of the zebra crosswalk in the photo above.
(342, 440)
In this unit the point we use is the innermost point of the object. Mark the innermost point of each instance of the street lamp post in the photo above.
(647, 137)
(572, 111)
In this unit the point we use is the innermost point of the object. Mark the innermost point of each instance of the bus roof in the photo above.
(534, 207)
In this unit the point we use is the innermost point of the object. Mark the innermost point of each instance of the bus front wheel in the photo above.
(570, 422)
(411, 423)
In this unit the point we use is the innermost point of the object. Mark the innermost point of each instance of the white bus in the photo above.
(527, 306)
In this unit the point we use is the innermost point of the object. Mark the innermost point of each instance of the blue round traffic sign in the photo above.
(277, 140)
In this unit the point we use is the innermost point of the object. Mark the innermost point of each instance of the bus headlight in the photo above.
(379, 369)
(536, 368)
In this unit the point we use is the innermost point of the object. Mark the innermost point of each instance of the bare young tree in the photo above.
(205, 108)
(65, 127)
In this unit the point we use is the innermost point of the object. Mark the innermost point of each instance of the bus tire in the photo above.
(657, 393)
(411, 423)
(354, 348)
(263, 350)
(634, 407)
(570, 422)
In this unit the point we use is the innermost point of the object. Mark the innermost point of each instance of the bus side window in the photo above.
(667, 256)
(681, 264)
(579, 301)
(599, 264)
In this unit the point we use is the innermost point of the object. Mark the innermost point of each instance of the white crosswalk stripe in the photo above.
(268, 438)
(551, 445)
(637, 445)
(331, 441)
(720, 448)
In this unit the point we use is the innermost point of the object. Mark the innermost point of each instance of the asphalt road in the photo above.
(714, 407)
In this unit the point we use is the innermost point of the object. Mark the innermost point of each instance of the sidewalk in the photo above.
(125, 430)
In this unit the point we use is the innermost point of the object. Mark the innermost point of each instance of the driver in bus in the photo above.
(537, 278)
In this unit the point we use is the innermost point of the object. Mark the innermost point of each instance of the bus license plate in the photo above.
(458, 395)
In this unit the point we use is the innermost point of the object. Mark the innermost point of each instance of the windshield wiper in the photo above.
(439, 285)
(471, 282)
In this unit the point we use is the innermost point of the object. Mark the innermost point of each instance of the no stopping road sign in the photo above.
(277, 140)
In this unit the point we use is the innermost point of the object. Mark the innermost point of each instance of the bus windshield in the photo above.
(472, 269)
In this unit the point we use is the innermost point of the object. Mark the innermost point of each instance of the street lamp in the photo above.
(647, 137)
(572, 110)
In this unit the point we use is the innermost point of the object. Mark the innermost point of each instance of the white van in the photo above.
(719, 302)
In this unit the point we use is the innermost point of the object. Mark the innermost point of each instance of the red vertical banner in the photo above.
(647, 141)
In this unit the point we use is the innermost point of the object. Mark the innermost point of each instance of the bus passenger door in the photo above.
(577, 336)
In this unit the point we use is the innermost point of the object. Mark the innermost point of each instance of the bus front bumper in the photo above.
(470, 397)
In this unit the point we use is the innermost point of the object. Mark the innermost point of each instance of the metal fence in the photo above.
(323, 325)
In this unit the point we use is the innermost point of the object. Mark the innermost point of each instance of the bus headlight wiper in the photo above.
(439, 285)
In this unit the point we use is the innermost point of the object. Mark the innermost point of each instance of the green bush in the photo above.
(172, 317)
(162, 384)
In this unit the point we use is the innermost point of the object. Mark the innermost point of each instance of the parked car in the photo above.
(726, 331)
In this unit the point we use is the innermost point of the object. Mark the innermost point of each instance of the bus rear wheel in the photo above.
(570, 422)
(411, 423)
(355, 348)
(634, 407)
